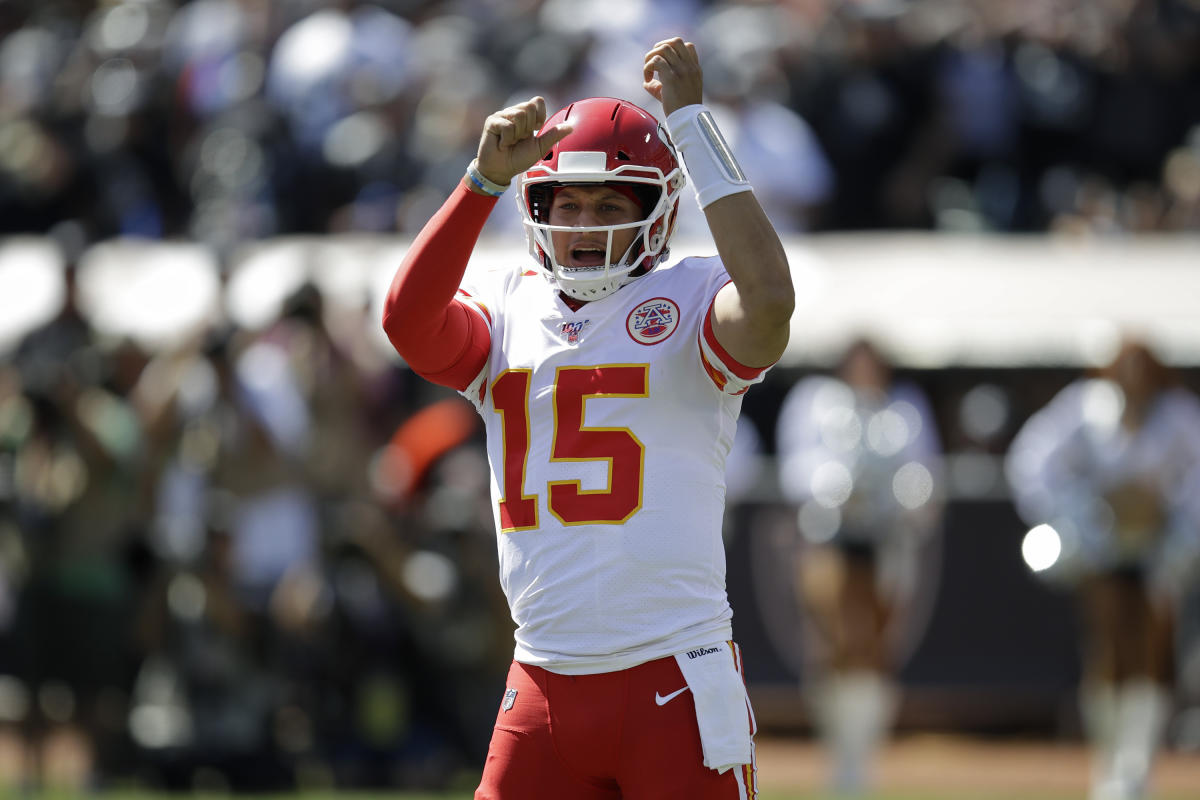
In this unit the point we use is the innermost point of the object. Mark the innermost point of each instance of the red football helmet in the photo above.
(613, 141)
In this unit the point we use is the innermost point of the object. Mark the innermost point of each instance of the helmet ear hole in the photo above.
(647, 195)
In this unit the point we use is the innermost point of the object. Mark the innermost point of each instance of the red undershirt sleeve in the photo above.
(440, 337)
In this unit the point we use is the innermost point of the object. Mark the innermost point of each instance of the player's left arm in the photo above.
(750, 316)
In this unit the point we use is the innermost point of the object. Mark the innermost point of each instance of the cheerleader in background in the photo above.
(1112, 466)
(860, 458)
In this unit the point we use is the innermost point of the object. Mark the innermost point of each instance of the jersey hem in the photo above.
(580, 665)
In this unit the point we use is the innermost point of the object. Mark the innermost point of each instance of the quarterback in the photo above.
(609, 382)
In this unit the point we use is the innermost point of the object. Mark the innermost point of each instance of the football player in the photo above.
(610, 383)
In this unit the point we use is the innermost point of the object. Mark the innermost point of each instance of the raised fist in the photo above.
(679, 81)
(510, 144)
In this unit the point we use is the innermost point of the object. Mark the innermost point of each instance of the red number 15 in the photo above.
(569, 501)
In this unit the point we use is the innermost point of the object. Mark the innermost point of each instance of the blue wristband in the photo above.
(483, 184)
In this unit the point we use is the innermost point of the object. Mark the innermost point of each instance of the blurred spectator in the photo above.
(76, 447)
(1109, 473)
(860, 458)
(229, 627)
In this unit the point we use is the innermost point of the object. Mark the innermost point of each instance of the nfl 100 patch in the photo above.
(572, 330)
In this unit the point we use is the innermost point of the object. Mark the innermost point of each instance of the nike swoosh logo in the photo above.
(662, 701)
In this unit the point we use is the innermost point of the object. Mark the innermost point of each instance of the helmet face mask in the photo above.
(613, 141)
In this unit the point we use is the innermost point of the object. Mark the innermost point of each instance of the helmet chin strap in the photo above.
(601, 287)
(609, 283)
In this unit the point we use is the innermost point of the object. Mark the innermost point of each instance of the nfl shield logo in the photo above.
(510, 697)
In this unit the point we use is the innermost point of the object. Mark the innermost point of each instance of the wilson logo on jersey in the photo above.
(572, 330)
(703, 651)
(653, 321)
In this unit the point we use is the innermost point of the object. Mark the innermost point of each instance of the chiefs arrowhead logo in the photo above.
(653, 321)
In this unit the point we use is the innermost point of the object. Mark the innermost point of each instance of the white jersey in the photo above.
(607, 431)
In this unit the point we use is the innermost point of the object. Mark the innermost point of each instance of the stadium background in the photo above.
(993, 193)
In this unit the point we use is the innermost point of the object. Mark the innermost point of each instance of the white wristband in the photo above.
(707, 159)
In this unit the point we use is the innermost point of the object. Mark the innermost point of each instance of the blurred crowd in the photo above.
(258, 560)
(227, 120)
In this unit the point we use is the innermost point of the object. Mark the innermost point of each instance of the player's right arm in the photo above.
(439, 336)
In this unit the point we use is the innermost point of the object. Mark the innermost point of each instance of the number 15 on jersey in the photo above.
(572, 441)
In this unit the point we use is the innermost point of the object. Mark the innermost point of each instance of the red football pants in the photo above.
(608, 736)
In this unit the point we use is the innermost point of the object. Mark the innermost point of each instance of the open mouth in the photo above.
(587, 255)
